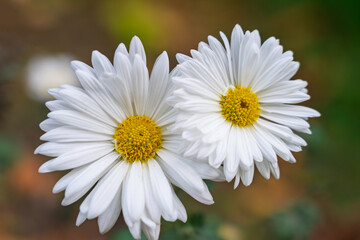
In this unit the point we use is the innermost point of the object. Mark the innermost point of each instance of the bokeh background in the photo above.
(316, 198)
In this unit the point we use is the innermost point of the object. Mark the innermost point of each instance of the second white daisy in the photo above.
(236, 105)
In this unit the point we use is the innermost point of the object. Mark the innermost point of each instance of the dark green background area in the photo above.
(316, 198)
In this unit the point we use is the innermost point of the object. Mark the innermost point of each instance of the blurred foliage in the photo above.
(296, 222)
(198, 227)
(293, 222)
(9, 152)
(126, 19)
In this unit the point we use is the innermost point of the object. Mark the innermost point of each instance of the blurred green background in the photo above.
(316, 198)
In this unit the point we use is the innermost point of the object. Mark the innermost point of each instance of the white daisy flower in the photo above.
(236, 105)
(112, 133)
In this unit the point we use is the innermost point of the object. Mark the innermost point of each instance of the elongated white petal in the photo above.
(108, 187)
(79, 120)
(101, 64)
(161, 189)
(140, 85)
(133, 199)
(159, 80)
(150, 200)
(183, 176)
(108, 219)
(67, 178)
(84, 181)
(49, 124)
(136, 48)
(89, 152)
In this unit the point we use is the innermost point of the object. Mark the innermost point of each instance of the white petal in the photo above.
(292, 110)
(101, 64)
(247, 175)
(96, 90)
(159, 81)
(49, 124)
(295, 123)
(80, 156)
(80, 120)
(206, 171)
(265, 147)
(136, 48)
(264, 169)
(120, 92)
(150, 200)
(80, 101)
(67, 178)
(151, 233)
(72, 134)
(108, 219)
(133, 197)
(80, 219)
(181, 212)
(135, 230)
(53, 149)
(182, 57)
(183, 176)
(283, 88)
(295, 97)
(140, 85)
(57, 105)
(120, 49)
(232, 160)
(161, 190)
(84, 181)
(109, 185)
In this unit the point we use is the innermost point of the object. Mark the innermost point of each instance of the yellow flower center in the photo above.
(137, 138)
(240, 106)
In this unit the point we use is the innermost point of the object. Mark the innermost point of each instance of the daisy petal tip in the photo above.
(95, 54)
(237, 27)
(246, 183)
(316, 113)
(64, 202)
(37, 150)
(229, 176)
(45, 168)
(209, 199)
(80, 219)
(56, 189)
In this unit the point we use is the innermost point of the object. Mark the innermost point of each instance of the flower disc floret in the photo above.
(240, 106)
(137, 138)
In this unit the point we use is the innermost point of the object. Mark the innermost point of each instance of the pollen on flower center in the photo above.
(240, 106)
(137, 138)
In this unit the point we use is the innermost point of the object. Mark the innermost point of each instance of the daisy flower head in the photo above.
(112, 133)
(236, 105)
